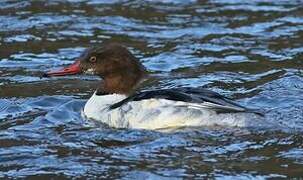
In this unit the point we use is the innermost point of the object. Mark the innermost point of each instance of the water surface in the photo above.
(250, 51)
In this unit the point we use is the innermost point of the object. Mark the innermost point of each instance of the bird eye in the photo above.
(93, 59)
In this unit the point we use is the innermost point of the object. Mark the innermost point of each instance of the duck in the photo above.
(119, 103)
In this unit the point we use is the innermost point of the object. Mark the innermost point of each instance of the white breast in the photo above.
(157, 114)
(97, 108)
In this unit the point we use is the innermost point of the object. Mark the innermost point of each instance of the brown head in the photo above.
(120, 70)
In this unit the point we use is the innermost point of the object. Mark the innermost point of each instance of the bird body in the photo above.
(118, 103)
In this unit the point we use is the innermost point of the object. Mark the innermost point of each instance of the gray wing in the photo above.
(198, 96)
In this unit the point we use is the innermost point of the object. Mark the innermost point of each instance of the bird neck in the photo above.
(121, 83)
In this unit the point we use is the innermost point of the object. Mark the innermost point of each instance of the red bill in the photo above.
(69, 70)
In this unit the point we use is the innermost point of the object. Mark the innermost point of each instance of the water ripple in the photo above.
(250, 51)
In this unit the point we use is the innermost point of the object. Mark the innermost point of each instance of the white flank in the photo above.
(159, 113)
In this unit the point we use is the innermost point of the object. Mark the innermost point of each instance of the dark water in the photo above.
(251, 51)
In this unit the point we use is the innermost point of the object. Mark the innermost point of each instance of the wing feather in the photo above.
(197, 97)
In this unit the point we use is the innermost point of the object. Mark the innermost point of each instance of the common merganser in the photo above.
(119, 104)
